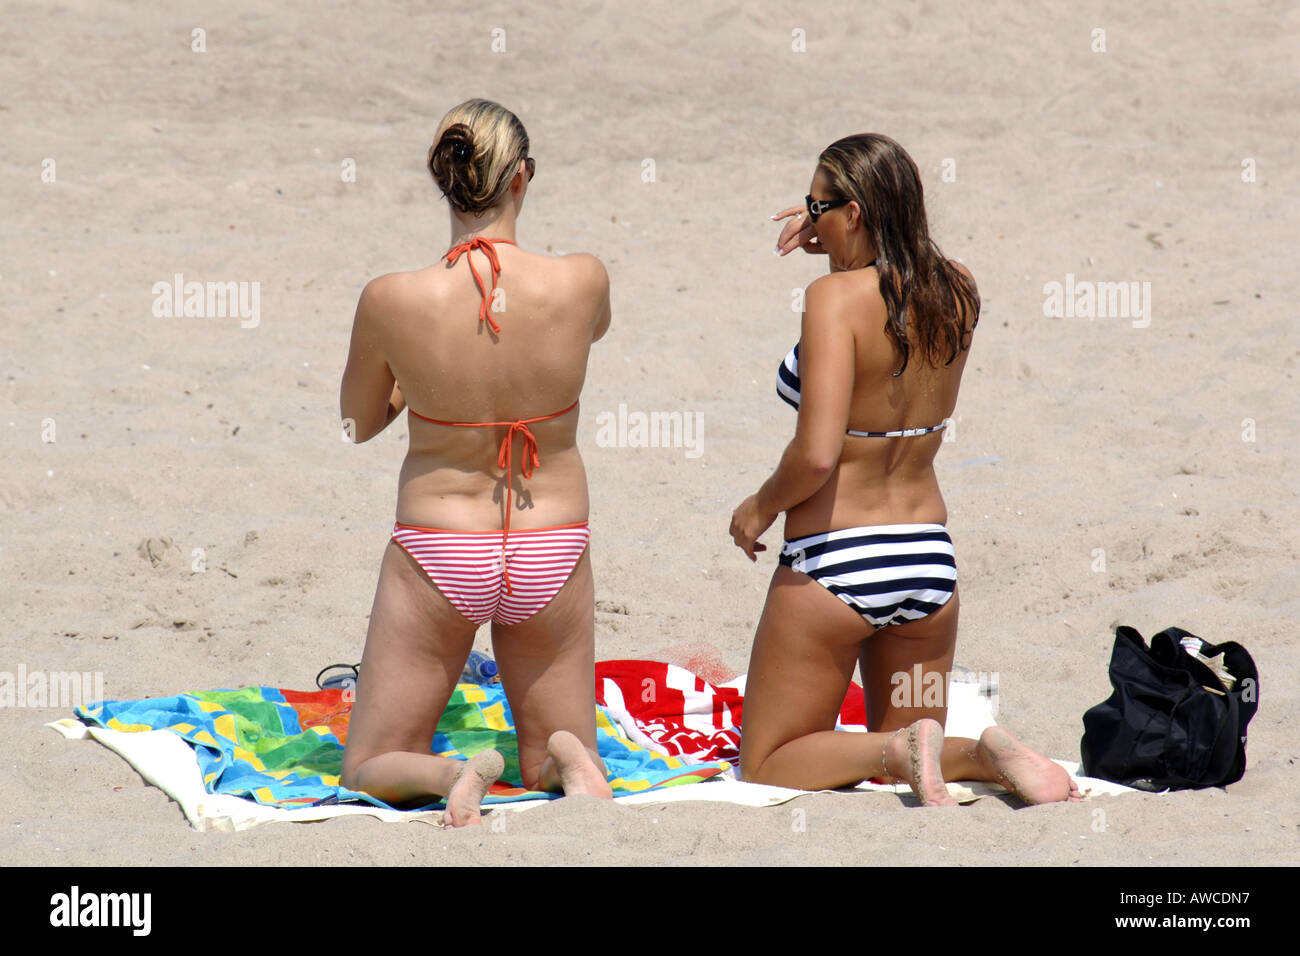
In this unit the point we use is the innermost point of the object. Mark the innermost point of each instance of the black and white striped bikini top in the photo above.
(788, 387)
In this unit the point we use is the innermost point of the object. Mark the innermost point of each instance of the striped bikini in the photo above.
(787, 386)
(890, 574)
(501, 576)
(485, 581)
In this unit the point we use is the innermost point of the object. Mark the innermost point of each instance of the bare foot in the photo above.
(574, 765)
(1029, 775)
(472, 783)
(914, 756)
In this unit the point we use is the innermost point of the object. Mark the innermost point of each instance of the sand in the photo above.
(1169, 158)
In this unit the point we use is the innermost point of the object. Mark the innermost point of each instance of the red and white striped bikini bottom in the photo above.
(490, 577)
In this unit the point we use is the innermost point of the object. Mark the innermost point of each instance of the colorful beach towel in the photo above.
(236, 759)
(284, 748)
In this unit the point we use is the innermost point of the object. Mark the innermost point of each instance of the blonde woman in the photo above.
(487, 349)
(868, 574)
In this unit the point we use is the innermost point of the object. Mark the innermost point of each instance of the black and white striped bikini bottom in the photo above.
(890, 574)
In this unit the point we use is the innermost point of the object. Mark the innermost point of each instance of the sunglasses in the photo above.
(818, 206)
(531, 165)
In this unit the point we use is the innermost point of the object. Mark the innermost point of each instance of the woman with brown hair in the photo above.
(492, 497)
(868, 573)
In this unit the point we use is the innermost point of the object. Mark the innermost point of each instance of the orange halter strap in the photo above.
(505, 459)
(494, 265)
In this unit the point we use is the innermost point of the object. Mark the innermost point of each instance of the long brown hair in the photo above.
(916, 279)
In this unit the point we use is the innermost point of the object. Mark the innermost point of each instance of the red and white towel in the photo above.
(667, 709)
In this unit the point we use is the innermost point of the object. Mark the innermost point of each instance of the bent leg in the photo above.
(799, 670)
(802, 662)
(415, 650)
(548, 669)
(906, 671)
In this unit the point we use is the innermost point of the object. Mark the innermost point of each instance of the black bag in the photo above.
(1171, 723)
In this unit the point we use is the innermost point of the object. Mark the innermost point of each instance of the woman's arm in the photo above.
(369, 397)
(826, 380)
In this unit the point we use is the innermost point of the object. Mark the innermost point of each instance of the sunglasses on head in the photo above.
(818, 206)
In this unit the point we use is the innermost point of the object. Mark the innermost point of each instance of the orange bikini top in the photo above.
(530, 459)
(494, 264)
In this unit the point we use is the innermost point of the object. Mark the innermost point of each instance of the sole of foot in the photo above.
(465, 802)
(1029, 775)
(578, 774)
(915, 755)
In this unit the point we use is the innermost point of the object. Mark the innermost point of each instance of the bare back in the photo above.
(450, 366)
(885, 480)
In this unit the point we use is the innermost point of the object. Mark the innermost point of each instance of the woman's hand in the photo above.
(747, 523)
(797, 233)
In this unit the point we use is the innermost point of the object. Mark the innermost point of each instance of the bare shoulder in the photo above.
(383, 295)
(389, 301)
(585, 271)
(588, 285)
(833, 289)
(393, 286)
(961, 267)
(837, 293)
(830, 302)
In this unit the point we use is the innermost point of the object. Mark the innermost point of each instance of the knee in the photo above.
(350, 777)
(751, 765)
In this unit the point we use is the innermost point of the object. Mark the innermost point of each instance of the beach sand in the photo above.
(1166, 439)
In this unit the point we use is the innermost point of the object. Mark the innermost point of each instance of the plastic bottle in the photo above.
(479, 669)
